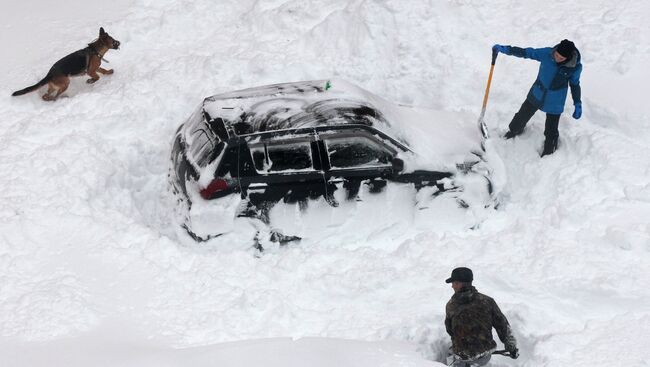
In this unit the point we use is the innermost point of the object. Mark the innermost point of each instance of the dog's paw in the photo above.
(110, 71)
(91, 81)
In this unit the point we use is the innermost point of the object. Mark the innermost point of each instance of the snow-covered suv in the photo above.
(241, 154)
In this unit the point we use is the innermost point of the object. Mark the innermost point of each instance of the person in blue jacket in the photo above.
(559, 68)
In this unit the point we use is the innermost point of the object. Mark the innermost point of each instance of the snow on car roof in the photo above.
(294, 105)
(441, 139)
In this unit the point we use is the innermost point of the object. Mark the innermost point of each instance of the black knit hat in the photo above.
(566, 48)
(461, 275)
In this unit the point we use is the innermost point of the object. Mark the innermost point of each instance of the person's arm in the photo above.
(448, 320)
(500, 323)
(525, 53)
(576, 92)
(448, 326)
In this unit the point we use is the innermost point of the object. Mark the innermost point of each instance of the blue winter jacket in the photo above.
(549, 91)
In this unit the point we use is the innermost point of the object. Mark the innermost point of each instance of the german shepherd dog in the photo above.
(84, 61)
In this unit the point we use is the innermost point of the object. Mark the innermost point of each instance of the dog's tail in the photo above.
(33, 87)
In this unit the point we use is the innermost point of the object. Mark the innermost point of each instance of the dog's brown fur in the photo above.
(85, 61)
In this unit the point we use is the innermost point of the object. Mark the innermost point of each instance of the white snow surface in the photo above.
(93, 272)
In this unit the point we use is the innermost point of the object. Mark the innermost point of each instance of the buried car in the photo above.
(270, 154)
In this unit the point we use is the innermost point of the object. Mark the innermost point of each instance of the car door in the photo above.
(353, 157)
(283, 168)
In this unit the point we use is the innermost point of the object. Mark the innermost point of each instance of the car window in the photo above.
(203, 143)
(295, 156)
(356, 151)
(201, 147)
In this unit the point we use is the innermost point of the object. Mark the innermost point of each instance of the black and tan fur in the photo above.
(84, 61)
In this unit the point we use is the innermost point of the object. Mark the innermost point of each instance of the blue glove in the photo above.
(578, 111)
(500, 48)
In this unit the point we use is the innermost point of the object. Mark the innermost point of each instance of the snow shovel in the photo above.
(481, 122)
(451, 359)
(503, 353)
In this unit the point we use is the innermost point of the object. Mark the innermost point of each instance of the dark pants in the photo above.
(524, 115)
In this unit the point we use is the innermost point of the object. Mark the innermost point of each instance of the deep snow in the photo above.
(88, 251)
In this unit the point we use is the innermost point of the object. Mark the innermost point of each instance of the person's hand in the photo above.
(512, 351)
(500, 48)
(578, 111)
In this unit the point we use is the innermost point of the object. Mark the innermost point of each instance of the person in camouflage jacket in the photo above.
(469, 321)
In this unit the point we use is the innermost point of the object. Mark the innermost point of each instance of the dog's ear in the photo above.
(101, 31)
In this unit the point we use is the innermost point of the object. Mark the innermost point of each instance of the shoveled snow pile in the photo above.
(92, 270)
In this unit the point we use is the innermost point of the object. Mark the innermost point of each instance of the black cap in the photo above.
(461, 275)
(565, 48)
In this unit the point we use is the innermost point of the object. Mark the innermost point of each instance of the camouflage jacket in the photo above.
(470, 318)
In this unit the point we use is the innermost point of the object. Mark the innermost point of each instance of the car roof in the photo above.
(439, 139)
(297, 105)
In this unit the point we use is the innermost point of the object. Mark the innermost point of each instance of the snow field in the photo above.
(88, 251)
